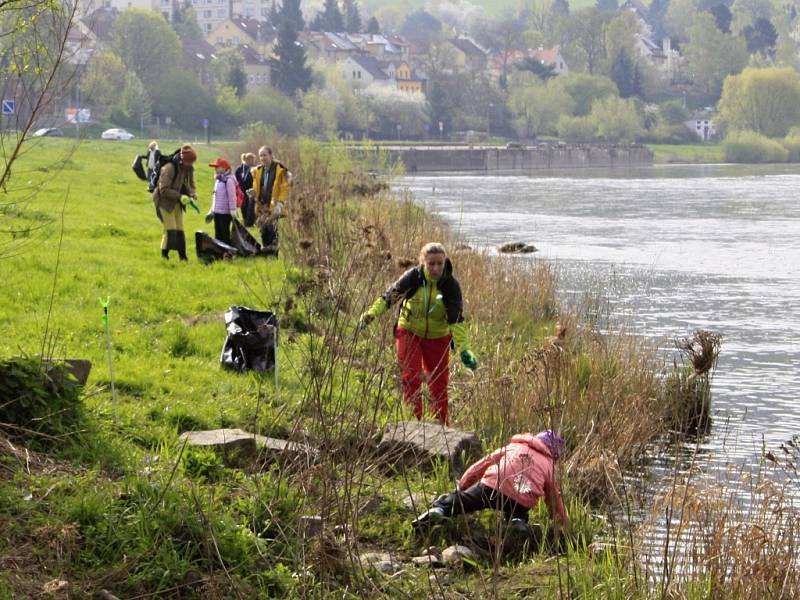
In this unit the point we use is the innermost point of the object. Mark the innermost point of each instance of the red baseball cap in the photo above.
(220, 162)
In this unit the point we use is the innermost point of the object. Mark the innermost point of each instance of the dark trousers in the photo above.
(249, 212)
(222, 227)
(269, 234)
(478, 497)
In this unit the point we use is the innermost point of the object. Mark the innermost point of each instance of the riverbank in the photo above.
(698, 154)
(121, 505)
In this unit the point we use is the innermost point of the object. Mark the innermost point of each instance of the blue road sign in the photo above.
(205, 122)
(9, 106)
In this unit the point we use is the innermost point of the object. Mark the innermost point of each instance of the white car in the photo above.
(116, 134)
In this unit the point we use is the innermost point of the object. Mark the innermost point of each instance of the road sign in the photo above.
(9, 106)
(205, 123)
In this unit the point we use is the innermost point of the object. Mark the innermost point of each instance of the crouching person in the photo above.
(513, 479)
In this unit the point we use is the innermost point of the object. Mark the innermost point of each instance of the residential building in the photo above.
(101, 21)
(546, 56)
(210, 13)
(362, 71)
(701, 123)
(379, 45)
(550, 57)
(469, 56)
(252, 9)
(331, 47)
(238, 31)
(197, 57)
(406, 80)
(256, 67)
(642, 14)
(80, 45)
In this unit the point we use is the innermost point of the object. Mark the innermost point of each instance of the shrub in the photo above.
(575, 129)
(751, 147)
(39, 402)
(792, 144)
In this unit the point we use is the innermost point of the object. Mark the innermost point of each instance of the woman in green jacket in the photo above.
(430, 319)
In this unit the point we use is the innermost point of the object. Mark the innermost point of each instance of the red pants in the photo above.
(414, 353)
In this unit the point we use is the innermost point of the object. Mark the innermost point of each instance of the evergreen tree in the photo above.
(352, 17)
(331, 18)
(722, 15)
(560, 7)
(761, 37)
(655, 17)
(184, 20)
(373, 26)
(274, 15)
(237, 79)
(607, 5)
(290, 11)
(291, 73)
(626, 75)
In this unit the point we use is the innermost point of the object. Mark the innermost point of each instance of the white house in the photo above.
(550, 57)
(363, 71)
(702, 124)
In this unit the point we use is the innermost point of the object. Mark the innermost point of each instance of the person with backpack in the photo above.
(271, 192)
(175, 180)
(430, 320)
(223, 204)
(513, 479)
(244, 177)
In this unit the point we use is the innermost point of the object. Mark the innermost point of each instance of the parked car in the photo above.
(49, 132)
(116, 134)
(514, 146)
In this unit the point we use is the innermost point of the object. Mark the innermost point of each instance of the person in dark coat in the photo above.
(244, 177)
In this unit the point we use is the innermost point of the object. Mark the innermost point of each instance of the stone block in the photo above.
(236, 445)
(419, 444)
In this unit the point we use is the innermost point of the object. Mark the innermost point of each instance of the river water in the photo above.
(670, 249)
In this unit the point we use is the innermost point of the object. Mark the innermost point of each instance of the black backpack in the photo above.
(164, 159)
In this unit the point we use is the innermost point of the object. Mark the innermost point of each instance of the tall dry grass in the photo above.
(540, 366)
(739, 536)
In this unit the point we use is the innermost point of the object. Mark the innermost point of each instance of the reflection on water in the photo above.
(670, 250)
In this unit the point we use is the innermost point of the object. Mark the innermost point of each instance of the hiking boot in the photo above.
(429, 518)
(519, 526)
(180, 238)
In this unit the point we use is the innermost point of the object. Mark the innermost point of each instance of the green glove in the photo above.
(469, 360)
(194, 206)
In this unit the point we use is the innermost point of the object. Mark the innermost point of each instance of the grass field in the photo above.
(687, 153)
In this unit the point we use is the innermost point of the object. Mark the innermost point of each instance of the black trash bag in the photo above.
(245, 243)
(252, 339)
(210, 249)
(138, 168)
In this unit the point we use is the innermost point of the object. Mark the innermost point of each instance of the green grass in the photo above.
(700, 153)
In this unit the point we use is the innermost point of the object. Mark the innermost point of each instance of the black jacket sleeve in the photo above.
(406, 285)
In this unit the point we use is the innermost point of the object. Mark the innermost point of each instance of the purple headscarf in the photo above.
(553, 441)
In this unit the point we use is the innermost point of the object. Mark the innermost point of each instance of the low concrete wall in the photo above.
(543, 156)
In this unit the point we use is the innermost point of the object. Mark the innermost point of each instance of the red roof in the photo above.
(547, 56)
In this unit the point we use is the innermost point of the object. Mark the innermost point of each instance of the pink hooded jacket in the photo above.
(523, 470)
(225, 195)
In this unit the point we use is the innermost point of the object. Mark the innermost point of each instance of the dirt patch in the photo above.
(202, 319)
